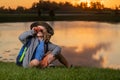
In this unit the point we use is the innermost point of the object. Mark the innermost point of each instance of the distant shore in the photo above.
(60, 17)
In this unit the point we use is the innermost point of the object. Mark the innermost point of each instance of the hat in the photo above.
(44, 24)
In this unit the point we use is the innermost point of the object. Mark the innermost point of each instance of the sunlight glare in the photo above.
(88, 2)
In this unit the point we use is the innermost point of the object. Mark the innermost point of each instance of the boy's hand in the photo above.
(44, 62)
(36, 29)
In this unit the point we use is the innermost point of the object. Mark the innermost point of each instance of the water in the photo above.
(83, 43)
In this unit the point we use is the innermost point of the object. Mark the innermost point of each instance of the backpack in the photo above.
(21, 54)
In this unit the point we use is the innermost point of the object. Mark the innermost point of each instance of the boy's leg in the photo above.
(44, 62)
(62, 60)
(49, 58)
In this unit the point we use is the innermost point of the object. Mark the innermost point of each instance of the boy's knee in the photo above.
(34, 63)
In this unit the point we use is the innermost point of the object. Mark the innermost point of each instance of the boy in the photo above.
(40, 52)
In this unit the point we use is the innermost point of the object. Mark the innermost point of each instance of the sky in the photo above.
(28, 3)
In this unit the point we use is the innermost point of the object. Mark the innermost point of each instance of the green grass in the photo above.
(9, 71)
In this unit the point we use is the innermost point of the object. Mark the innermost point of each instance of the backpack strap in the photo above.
(22, 52)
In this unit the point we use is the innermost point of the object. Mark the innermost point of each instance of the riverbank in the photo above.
(64, 17)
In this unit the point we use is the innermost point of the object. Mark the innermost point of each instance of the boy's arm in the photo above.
(56, 51)
(25, 35)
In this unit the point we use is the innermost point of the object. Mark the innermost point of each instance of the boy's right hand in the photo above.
(36, 29)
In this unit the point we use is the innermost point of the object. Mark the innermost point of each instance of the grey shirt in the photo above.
(24, 37)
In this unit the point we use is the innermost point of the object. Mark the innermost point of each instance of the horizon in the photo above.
(27, 4)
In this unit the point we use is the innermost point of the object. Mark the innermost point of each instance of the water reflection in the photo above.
(89, 43)
(83, 43)
(88, 56)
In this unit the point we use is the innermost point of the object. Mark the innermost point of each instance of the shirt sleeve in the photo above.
(25, 36)
(55, 49)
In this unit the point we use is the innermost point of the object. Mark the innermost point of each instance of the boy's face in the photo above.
(42, 32)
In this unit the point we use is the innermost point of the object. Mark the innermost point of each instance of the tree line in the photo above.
(54, 7)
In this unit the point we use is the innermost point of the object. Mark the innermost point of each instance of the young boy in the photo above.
(40, 51)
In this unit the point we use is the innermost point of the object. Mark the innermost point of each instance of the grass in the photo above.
(9, 71)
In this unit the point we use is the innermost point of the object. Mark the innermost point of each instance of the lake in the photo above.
(94, 44)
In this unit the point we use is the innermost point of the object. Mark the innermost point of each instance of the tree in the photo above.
(20, 9)
(2, 8)
(116, 11)
(96, 5)
(83, 5)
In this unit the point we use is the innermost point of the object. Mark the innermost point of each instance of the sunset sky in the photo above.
(28, 3)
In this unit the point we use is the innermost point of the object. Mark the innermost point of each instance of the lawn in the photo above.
(9, 71)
